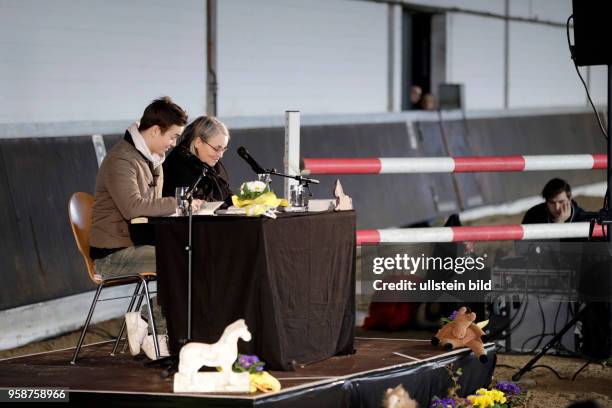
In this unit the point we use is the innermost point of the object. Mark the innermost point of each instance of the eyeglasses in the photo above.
(219, 150)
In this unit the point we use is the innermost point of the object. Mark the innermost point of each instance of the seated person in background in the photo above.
(201, 147)
(129, 185)
(558, 206)
(428, 102)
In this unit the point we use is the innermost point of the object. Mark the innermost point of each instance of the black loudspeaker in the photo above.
(592, 32)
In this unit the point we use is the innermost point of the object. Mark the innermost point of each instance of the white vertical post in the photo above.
(99, 147)
(291, 161)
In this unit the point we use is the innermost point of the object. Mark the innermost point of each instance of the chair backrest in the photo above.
(79, 213)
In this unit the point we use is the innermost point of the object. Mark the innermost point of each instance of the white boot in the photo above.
(136, 331)
(149, 348)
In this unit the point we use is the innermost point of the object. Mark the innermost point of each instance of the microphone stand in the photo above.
(189, 248)
(303, 181)
(171, 362)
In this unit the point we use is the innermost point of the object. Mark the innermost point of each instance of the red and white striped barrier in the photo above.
(391, 165)
(478, 233)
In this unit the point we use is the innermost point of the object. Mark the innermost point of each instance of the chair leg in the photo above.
(91, 311)
(129, 309)
(151, 319)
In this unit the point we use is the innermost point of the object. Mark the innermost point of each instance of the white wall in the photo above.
(319, 56)
(475, 56)
(541, 70)
(92, 60)
(599, 84)
(491, 6)
(73, 60)
(549, 10)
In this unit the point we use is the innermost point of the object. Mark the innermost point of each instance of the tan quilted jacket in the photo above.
(126, 188)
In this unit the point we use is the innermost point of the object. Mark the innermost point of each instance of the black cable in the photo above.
(526, 302)
(541, 336)
(550, 368)
(556, 317)
(511, 320)
(543, 324)
(580, 369)
(571, 48)
(535, 336)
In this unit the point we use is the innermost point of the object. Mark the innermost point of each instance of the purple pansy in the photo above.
(452, 316)
(508, 388)
(442, 403)
(248, 363)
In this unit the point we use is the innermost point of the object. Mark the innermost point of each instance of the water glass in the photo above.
(297, 196)
(181, 203)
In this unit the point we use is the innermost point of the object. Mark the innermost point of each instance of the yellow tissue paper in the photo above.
(259, 205)
(264, 382)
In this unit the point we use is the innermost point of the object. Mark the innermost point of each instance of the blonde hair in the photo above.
(205, 128)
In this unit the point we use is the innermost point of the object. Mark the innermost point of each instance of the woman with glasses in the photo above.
(202, 145)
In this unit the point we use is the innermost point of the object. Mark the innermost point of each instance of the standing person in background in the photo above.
(201, 148)
(129, 185)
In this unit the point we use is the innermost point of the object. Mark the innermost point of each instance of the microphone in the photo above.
(242, 152)
(191, 189)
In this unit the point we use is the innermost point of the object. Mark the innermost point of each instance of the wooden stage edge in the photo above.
(97, 372)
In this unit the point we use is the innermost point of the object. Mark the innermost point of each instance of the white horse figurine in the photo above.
(221, 354)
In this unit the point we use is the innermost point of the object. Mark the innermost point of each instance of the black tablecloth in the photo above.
(292, 279)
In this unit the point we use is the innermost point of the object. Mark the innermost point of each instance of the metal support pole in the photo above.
(291, 161)
(609, 128)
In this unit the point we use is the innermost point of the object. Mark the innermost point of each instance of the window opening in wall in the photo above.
(416, 60)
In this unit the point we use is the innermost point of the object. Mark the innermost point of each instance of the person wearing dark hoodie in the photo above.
(200, 149)
(559, 207)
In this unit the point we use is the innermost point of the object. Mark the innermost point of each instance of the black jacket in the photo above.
(182, 169)
(539, 214)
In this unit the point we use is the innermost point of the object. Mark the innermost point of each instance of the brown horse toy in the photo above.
(462, 332)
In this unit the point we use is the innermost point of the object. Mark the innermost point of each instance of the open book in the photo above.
(233, 210)
(209, 208)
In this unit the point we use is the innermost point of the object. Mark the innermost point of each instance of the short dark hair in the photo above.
(163, 113)
(554, 187)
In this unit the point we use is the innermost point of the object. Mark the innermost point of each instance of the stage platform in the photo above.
(357, 380)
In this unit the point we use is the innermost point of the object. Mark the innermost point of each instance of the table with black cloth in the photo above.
(292, 279)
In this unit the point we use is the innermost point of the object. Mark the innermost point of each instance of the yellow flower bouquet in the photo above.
(257, 199)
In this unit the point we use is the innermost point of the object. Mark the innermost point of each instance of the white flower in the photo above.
(256, 186)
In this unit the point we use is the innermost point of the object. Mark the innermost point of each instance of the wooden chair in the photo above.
(79, 212)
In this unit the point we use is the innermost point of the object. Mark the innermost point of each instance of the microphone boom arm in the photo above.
(301, 179)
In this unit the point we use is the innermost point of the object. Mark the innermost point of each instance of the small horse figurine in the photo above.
(220, 354)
